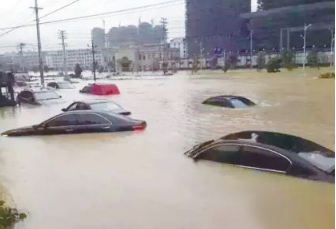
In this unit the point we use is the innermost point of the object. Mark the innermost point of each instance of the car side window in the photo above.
(92, 119)
(82, 106)
(265, 159)
(72, 107)
(64, 120)
(246, 156)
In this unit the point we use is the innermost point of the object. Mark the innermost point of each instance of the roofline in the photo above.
(290, 9)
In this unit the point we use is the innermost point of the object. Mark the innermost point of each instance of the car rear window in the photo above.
(238, 103)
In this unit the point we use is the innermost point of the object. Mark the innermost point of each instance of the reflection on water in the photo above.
(142, 179)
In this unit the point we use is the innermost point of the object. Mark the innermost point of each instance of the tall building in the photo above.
(215, 24)
(280, 25)
(98, 37)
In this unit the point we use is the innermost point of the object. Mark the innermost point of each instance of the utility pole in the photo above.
(164, 24)
(62, 35)
(332, 47)
(251, 48)
(21, 45)
(39, 46)
(201, 54)
(304, 43)
(93, 59)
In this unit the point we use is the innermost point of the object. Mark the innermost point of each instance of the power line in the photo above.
(61, 8)
(96, 15)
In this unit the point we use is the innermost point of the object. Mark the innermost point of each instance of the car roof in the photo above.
(94, 101)
(227, 97)
(290, 143)
(93, 112)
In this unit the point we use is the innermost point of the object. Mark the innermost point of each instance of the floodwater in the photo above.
(142, 179)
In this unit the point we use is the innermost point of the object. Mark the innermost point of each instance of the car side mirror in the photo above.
(64, 109)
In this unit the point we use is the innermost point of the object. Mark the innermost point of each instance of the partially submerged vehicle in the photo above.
(38, 97)
(97, 105)
(229, 101)
(7, 98)
(101, 89)
(77, 122)
(60, 85)
(270, 152)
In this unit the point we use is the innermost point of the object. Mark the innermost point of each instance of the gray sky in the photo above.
(17, 12)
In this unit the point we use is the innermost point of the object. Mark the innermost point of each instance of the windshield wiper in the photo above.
(194, 151)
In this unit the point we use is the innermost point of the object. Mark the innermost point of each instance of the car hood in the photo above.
(18, 131)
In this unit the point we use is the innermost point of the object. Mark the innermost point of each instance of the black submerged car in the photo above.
(229, 101)
(271, 152)
(76, 122)
(97, 105)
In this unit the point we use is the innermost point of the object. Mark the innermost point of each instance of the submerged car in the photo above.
(97, 105)
(101, 89)
(77, 122)
(229, 101)
(61, 85)
(38, 97)
(270, 152)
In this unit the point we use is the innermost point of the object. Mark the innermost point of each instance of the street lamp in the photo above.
(304, 43)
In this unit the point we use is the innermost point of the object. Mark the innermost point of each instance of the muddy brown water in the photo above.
(142, 179)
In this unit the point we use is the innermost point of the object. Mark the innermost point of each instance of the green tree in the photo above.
(78, 71)
(313, 59)
(261, 60)
(288, 59)
(274, 65)
(9, 216)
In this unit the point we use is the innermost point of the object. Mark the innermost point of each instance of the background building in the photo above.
(98, 37)
(181, 45)
(280, 24)
(216, 23)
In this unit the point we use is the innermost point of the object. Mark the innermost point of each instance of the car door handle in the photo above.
(106, 127)
(69, 130)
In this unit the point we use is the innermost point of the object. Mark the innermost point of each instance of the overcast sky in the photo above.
(17, 12)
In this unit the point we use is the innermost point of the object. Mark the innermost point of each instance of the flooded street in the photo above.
(142, 179)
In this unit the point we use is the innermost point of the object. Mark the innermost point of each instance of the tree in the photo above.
(274, 65)
(195, 65)
(230, 62)
(288, 59)
(313, 59)
(125, 64)
(261, 60)
(78, 71)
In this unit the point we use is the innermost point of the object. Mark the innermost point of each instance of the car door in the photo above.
(92, 122)
(247, 156)
(62, 124)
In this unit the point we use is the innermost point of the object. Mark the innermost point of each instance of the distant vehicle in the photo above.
(270, 152)
(229, 101)
(101, 89)
(77, 122)
(61, 85)
(38, 97)
(97, 105)
(7, 98)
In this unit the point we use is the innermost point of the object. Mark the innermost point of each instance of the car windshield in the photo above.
(327, 164)
(107, 106)
(46, 95)
(238, 104)
(65, 85)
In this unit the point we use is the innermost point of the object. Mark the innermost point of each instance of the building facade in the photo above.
(98, 37)
(216, 24)
(83, 57)
(181, 45)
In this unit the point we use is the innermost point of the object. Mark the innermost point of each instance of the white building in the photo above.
(181, 44)
(83, 57)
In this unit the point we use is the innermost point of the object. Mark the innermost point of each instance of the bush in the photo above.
(288, 59)
(329, 75)
(9, 216)
(261, 60)
(274, 65)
